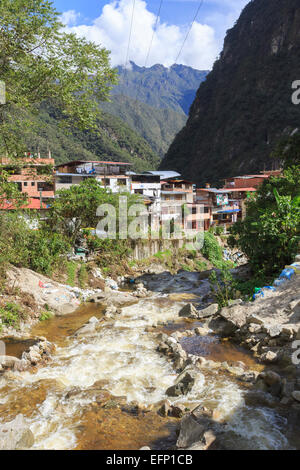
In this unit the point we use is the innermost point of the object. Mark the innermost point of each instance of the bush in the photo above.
(10, 315)
(269, 235)
(21, 246)
(45, 316)
(213, 252)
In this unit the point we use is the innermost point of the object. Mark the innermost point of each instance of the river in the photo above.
(74, 401)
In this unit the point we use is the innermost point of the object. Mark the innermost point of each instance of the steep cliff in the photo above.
(245, 105)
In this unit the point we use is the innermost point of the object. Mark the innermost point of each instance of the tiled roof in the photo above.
(33, 203)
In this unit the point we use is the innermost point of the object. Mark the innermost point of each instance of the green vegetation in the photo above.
(71, 273)
(45, 316)
(269, 235)
(82, 276)
(156, 125)
(67, 226)
(112, 140)
(161, 87)
(10, 315)
(21, 246)
(222, 286)
(212, 251)
(244, 106)
(40, 61)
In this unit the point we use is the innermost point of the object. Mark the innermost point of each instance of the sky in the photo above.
(108, 23)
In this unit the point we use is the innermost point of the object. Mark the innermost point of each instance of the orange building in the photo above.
(33, 176)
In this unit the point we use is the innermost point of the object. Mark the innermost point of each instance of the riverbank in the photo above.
(137, 366)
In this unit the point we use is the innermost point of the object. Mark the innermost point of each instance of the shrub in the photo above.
(45, 316)
(10, 315)
(213, 252)
(269, 235)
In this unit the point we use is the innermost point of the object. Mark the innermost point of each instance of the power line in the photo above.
(154, 31)
(150, 45)
(189, 30)
(130, 33)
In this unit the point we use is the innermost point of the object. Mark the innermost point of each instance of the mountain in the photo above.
(114, 140)
(158, 126)
(161, 87)
(138, 131)
(244, 106)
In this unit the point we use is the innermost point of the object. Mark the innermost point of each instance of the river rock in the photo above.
(269, 357)
(200, 331)
(273, 330)
(235, 316)
(208, 311)
(93, 320)
(9, 362)
(86, 330)
(255, 319)
(207, 440)
(16, 435)
(296, 395)
(191, 431)
(165, 408)
(183, 384)
(188, 311)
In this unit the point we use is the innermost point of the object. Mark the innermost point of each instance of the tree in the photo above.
(288, 150)
(269, 234)
(76, 208)
(39, 61)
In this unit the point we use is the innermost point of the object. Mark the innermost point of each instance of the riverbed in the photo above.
(100, 392)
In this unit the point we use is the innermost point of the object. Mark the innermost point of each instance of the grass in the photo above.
(71, 273)
(10, 315)
(82, 276)
(46, 315)
(163, 254)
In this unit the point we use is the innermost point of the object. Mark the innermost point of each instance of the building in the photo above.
(148, 186)
(33, 176)
(111, 175)
(223, 205)
(164, 175)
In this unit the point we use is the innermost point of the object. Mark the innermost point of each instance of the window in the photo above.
(206, 210)
(65, 180)
(32, 183)
(25, 184)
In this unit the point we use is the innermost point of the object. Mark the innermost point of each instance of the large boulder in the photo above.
(188, 311)
(183, 384)
(198, 430)
(10, 362)
(208, 311)
(191, 431)
(16, 435)
(235, 315)
(296, 395)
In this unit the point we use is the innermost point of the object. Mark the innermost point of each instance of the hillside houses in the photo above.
(168, 198)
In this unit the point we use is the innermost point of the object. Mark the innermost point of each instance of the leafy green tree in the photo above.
(75, 208)
(39, 61)
(269, 234)
(288, 151)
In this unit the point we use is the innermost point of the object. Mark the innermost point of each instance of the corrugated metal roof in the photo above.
(164, 174)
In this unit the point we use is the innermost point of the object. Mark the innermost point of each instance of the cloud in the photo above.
(70, 18)
(111, 30)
